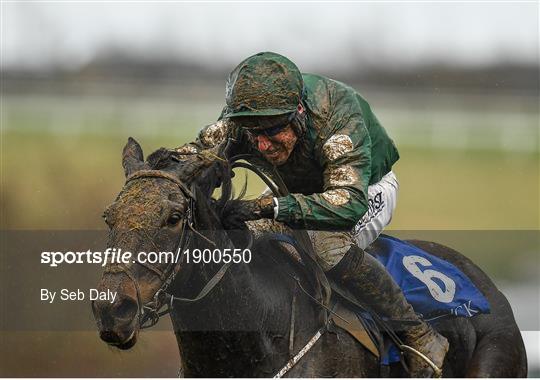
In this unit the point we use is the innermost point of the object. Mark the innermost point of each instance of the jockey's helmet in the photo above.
(263, 85)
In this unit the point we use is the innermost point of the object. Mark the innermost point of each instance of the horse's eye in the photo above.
(174, 219)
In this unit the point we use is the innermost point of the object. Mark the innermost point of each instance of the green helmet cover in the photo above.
(265, 84)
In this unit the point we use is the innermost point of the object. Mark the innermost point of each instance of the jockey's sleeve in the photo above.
(346, 158)
(213, 135)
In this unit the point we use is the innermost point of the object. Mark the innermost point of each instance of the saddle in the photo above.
(346, 311)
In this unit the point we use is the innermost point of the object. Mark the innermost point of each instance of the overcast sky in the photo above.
(316, 35)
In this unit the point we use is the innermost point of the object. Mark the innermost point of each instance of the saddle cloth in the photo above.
(434, 287)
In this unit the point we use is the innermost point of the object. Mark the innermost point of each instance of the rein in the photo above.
(307, 254)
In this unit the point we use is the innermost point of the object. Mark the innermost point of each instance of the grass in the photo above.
(453, 189)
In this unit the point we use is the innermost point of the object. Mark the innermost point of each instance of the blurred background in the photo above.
(455, 84)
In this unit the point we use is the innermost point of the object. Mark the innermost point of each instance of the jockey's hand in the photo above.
(237, 212)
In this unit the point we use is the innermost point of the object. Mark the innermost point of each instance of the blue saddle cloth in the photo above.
(434, 287)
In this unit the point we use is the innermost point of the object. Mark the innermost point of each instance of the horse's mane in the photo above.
(161, 159)
(206, 170)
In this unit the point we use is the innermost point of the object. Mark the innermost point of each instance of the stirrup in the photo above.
(437, 372)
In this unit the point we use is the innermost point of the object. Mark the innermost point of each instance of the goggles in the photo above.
(270, 131)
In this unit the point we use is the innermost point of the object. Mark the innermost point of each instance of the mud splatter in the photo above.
(337, 197)
(262, 82)
(186, 150)
(341, 176)
(140, 204)
(262, 226)
(336, 146)
(330, 246)
(214, 134)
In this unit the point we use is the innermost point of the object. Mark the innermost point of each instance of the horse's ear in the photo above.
(132, 157)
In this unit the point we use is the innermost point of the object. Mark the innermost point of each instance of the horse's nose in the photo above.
(110, 337)
(115, 316)
(125, 308)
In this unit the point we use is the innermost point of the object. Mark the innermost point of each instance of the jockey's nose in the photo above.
(263, 143)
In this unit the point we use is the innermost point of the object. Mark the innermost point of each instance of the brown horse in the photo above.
(238, 320)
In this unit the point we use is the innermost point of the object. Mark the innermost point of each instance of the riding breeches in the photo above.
(331, 246)
(382, 199)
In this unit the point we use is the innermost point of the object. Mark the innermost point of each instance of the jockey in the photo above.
(336, 160)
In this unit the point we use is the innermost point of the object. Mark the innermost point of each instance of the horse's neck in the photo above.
(242, 327)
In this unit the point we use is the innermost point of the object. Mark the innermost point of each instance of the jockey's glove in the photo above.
(237, 212)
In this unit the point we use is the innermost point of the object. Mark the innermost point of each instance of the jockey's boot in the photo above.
(375, 288)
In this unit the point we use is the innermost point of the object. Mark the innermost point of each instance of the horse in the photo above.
(249, 319)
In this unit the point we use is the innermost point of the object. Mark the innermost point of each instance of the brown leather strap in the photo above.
(160, 174)
(152, 268)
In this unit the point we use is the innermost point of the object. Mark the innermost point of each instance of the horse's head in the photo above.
(149, 215)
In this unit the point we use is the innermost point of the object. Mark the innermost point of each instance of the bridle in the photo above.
(149, 313)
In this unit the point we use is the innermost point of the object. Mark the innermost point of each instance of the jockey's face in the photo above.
(276, 149)
(273, 136)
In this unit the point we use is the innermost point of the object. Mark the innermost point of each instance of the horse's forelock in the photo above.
(161, 159)
(200, 170)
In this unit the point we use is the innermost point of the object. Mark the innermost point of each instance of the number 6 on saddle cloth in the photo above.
(434, 287)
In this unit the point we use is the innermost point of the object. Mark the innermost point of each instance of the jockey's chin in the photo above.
(277, 158)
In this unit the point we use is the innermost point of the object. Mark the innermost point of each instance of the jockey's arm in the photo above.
(346, 159)
(213, 135)
(209, 137)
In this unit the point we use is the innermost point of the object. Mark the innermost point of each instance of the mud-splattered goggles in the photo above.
(270, 131)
